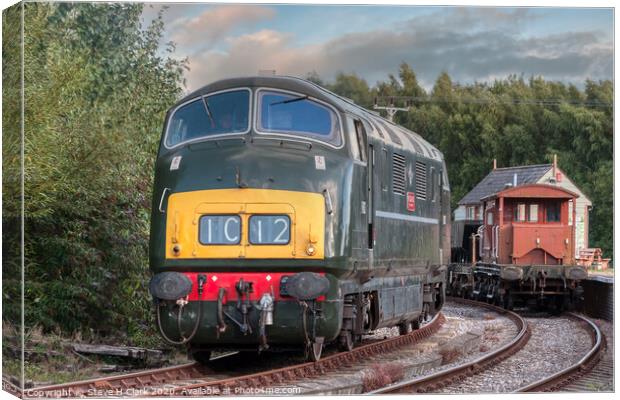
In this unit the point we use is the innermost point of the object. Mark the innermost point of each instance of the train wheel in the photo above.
(404, 328)
(345, 341)
(314, 350)
(560, 305)
(202, 357)
(416, 323)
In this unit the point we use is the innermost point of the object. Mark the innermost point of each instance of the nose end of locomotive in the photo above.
(170, 286)
(307, 285)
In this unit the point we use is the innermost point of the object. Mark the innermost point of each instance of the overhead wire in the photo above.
(543, 102)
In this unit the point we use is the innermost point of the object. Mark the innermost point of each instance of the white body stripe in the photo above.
(405, 217)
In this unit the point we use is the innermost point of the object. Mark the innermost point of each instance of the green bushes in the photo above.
(96, 90)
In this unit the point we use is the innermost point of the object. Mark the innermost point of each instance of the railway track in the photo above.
(432, 382)
(193, 379)
(576, 377)
(118, 384)
(587, 374)
(600, 378)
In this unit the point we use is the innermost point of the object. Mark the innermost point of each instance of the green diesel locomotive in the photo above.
(287, 217)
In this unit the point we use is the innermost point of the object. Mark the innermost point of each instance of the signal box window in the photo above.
(520, 213)
(471, 213)
(533, 217)
(290, 114)
(553, 212)
(218, 114)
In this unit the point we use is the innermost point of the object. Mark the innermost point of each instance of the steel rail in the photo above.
(121, 382)
(309, 369)
(440, 379)
(584, 365)
(115, 383)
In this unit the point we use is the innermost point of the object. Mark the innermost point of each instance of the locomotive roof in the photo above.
(377, 126)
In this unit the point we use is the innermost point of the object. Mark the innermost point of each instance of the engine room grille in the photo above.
(420, 180)
(398, 174)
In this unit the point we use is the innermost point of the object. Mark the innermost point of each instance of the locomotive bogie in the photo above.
(286, 329)
(551, 286)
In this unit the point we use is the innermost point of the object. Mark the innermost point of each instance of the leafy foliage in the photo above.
(11, 168)
(97, 87)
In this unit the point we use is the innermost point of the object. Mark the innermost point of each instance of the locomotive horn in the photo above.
(307, 285)
(170, 286)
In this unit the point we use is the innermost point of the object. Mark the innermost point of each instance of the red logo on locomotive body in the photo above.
(410, 201)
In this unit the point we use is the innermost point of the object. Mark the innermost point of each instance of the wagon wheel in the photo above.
(314, 350)
(567, 303)
(508, 301)
(345, 341)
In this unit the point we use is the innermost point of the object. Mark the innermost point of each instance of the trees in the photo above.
(506, 120)
(96, 90)
(352, 87)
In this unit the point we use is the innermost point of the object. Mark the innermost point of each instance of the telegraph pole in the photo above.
(390, 109)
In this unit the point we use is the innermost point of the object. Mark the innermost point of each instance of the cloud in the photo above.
(215, 23)
(250, 53)
(469, 44)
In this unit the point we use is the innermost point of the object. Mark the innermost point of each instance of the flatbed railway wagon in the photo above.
(287, 217)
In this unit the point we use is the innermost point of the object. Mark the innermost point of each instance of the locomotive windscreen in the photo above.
(216, 114)
(297, 115)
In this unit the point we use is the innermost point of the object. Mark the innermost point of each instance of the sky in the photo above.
(469, 43)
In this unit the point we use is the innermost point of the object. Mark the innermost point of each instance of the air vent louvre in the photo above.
(398, 174)
(420, 180)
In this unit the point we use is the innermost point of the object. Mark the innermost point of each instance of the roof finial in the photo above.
(495, 163)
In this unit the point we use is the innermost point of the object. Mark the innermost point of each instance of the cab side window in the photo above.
(360, 134)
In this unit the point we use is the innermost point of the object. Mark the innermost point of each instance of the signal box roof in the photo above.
(535, 191)
(498, 178)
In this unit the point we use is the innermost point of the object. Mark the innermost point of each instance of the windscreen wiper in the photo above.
(209, 114)
(300, 98)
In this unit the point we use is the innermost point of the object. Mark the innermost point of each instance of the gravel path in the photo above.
(555, 344)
